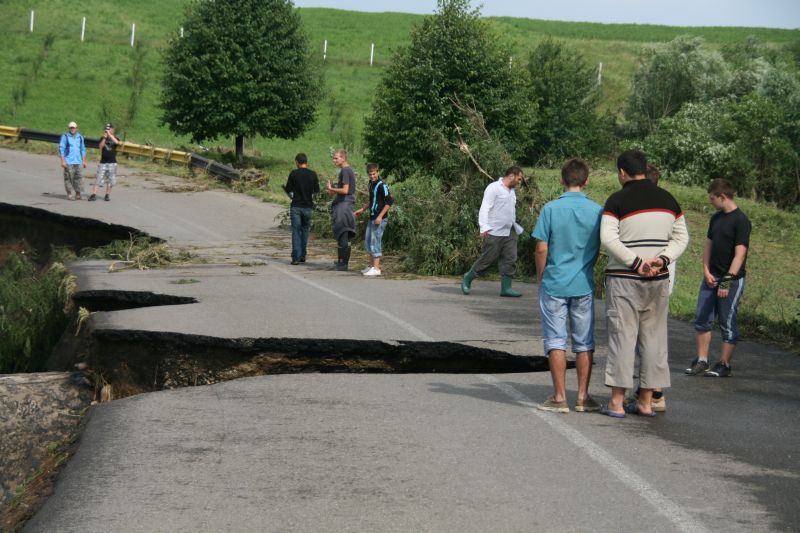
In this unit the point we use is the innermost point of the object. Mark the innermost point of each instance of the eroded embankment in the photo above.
(43, 230)
(125, 362)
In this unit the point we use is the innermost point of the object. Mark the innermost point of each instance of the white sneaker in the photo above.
(365, 270)
(372, 272)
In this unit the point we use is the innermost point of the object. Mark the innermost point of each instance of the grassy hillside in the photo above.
(45, 86)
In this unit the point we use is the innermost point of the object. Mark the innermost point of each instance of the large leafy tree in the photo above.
(453, 56)
(242, 69)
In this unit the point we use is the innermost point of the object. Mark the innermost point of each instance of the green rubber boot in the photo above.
(466, 283)
(505, 288)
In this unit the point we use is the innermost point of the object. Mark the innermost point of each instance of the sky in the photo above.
(752, 13)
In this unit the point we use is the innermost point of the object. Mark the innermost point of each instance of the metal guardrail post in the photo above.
(8, 131)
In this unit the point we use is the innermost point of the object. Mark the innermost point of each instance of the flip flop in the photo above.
(613, 414)
(633, 409)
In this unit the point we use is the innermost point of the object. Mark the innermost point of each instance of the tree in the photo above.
(242, 69)
(669, 76)
(453, 55)
(565, 88)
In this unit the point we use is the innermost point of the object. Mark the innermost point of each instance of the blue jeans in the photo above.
(301, 225)
(556, 310)
(710, 306)
(374, 236)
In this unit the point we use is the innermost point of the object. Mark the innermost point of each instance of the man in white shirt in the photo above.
(499, 231)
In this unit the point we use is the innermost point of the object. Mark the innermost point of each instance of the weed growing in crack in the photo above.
(140, 252)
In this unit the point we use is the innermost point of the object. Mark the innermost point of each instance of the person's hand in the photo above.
(484, 234)
(722, 293)
(650, 267)
(378, 221)
(64, 165)
(711, 281)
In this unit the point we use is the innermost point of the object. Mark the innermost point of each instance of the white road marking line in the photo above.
(661, 503)
(421, 335)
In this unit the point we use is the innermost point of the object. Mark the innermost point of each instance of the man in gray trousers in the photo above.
(499, 231)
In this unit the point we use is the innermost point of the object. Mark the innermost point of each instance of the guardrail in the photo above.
(142, 150)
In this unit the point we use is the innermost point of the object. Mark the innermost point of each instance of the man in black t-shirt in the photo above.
(301, 187)
(107, 170)
(724, 259)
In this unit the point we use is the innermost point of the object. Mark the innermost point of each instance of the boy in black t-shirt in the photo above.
(107, 170)
(724, 259)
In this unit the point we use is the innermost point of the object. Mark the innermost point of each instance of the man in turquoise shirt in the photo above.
(568, 235)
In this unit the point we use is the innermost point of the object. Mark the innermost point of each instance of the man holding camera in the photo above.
(107, 170)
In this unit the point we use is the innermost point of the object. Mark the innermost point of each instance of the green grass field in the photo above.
(91, 81)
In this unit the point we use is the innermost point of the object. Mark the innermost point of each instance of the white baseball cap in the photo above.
(72, 125)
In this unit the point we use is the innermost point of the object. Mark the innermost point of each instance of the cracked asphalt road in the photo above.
(404, 452)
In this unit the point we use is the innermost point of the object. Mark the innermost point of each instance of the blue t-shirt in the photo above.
(570, 225)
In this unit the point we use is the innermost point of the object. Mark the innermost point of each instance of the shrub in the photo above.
(434, 220)
(565, 89)
(743, 140)
(669, 76)
(453, 55)
(33, 313)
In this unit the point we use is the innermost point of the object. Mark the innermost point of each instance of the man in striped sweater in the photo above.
(642, 230)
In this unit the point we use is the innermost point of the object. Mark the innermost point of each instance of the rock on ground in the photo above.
(38, 413)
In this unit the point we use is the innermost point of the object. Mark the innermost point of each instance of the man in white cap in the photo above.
(72, 149)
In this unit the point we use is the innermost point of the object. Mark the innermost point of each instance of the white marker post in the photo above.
(510, 61)
(371, 54)
(31, 24)
(181, 32)
(133, 33)
(600, 74)
(325, 50)
(83, 28)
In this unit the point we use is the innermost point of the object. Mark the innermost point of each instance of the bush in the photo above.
(33, 313)
(565, 89)
(453, 55)
(743, 140)
(668, 77)
(434, 220)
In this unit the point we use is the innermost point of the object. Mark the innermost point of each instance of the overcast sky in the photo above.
(753, 13)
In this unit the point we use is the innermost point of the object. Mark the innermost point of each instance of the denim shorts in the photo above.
(725, 310)
(373, 238)
(555, 311)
